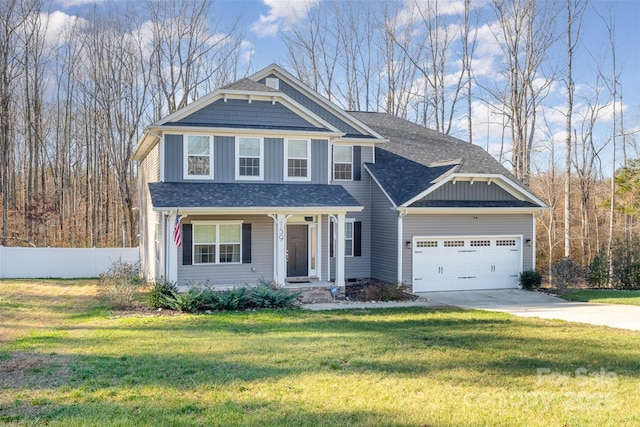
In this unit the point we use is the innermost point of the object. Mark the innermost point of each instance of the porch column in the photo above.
(340, 250)
(280, 247)
(171, 257)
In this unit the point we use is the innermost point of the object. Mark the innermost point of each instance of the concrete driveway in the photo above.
(536, 304)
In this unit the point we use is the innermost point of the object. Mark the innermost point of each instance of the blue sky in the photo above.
(265, 21)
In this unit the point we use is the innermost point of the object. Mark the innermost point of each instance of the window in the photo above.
(427, 243)
(249, 158)
(453, 243)
(480, 243)
(216, 243)
(297, 159)
(342, 162)
(156, 240)
(198, 162)
(505, 242)
(348, 238)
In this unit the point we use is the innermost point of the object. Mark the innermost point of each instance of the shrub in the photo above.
(120, 285)
(265, 296)
(161, 289)
(189, 301)
(231, 299)
(530, 280)
(625, 260)
(598, 272)
(566, 274)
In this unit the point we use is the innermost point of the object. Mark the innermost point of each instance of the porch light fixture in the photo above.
(528, 242)
(407, 244)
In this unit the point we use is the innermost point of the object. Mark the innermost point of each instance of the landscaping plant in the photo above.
(530, 280)
(120, 285)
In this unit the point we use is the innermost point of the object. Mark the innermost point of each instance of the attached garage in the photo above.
(466, 262)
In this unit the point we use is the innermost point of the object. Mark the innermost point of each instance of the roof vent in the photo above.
(273, 82)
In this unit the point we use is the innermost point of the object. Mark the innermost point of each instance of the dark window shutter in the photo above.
(187, 247)
(357, 238)
(331, 239)
(357, 163)
(246, 243)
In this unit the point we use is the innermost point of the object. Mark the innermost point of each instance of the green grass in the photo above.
(67, 362)
(608, 296)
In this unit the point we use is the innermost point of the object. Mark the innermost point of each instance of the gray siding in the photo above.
(384, 236)
(319, 161)
(224, 148)
(315, 107)
(225, 163)
(464, 190)
(239, 113)
(467, 225)
(236, 274)
(173, 158)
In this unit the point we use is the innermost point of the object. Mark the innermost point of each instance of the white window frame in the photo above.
(286, 160)
(352, 238)
(239, 177)
(185, 150)
(334, 163)
(216, 243)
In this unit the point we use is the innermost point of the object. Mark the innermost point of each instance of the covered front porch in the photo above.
(229, 241)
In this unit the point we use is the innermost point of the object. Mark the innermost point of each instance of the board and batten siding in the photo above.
(464, 190)
(384, 236)
(467, 225)
(314, 106)
(224, 161)
(261, 265)
(241, 112)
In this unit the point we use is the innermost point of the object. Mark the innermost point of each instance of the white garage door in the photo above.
(466, 263)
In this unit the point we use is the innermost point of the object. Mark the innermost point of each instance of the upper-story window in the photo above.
(343, 162)
(198, 157)
(249, 158)
(297, 153)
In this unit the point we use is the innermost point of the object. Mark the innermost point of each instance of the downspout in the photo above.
(401, 215)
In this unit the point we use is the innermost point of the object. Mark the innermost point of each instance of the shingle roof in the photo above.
(427, 146)
(233, 195)
(250, 85)
(402, 178)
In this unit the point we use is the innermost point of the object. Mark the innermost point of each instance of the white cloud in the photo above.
(57, 25)
(282, 13)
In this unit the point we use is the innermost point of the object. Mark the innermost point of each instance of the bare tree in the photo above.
(525, 33)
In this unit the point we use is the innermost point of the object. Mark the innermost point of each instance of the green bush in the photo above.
(625, 260)
(265, 296)
(189, 301)
(120, 285)
(161, 289)
(231, 299)
(530, 280)
(598, 272)
(565, 274)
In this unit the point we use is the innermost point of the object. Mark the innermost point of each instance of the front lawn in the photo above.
(64, 361)
(608, 296)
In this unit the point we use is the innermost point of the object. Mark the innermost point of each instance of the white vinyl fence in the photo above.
(67, 263)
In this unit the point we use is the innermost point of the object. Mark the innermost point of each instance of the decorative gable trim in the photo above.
(487, 179)
(293, 81)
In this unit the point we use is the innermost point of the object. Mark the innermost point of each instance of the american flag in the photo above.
(177, 235)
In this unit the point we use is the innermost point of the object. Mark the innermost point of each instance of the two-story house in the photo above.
(265, 178)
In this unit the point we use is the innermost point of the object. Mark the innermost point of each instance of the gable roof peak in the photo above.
(247, 84)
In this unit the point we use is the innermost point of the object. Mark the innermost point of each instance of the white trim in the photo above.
(401, 216)
(217, 225)
(319, 246)
(224, 131)
(286, 160)
(297, 84)
(333, 163)
(475, 210)
(185, 157)
(339, 252)
(161, 159)
(239, 177)
(262, 209)
(311, 228)
(533, 243)
(393, 204)
(500, 180)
